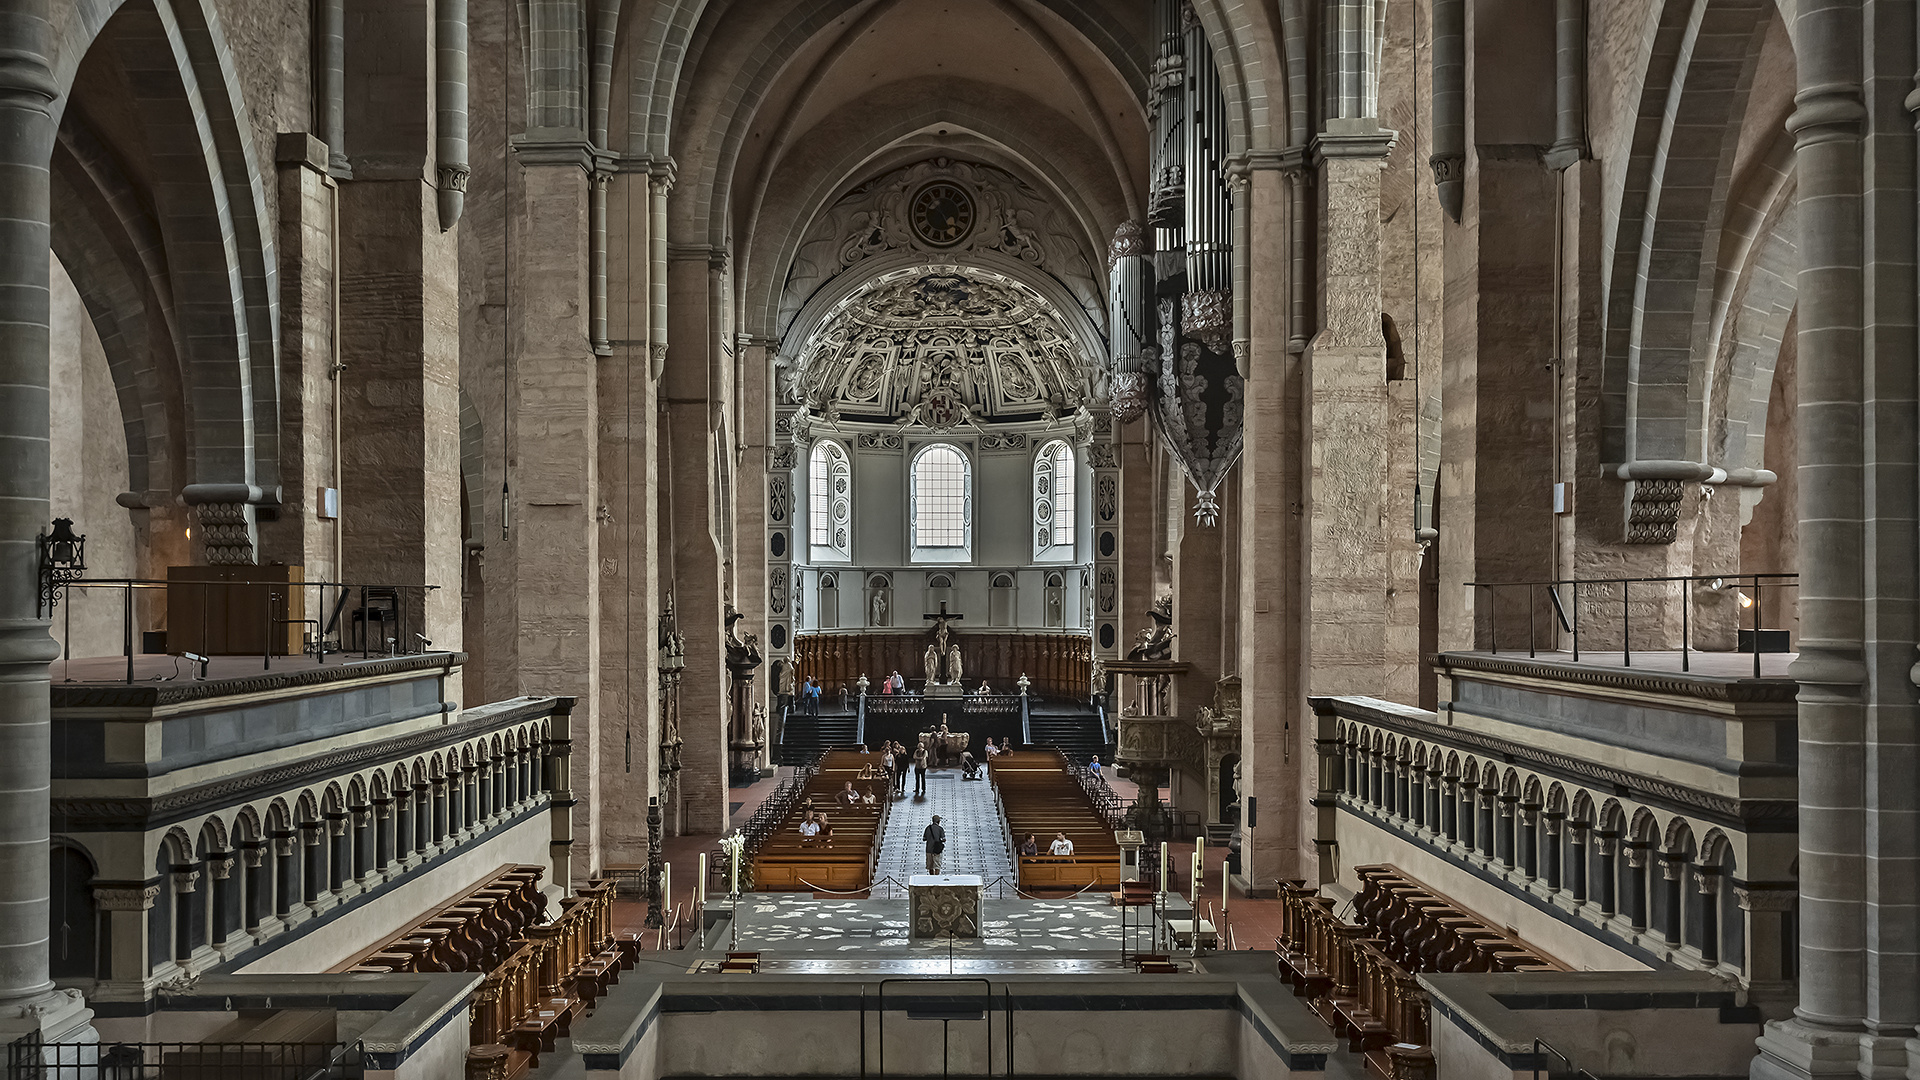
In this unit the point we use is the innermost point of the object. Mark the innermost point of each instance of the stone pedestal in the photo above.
(945, 905)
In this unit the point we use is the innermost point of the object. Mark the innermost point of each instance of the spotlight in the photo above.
(1745, 600)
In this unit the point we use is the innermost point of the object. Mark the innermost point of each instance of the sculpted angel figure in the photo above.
(953, 665)
(932, 660)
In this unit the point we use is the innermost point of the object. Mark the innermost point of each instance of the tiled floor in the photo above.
(1249, 924)
(976, 835)
(787, 923)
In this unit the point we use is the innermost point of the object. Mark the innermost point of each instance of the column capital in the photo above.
(1754, 896)
(125, 897)
(220, 864)
(184, 880)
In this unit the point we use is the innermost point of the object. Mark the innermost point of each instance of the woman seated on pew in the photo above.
(1061, 845)
(1029, 846)
(866, 796)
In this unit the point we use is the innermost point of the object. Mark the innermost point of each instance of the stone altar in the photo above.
(945, 905)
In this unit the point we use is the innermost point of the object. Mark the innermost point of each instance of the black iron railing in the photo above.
(369, 619)
(1749, 592)
(30, 1059)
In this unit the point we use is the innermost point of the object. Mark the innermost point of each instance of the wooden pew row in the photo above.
(1038, 795)
(840, 860)
(558, 971)
(1361, 976)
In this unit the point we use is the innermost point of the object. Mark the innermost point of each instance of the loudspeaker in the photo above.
(1253, 812)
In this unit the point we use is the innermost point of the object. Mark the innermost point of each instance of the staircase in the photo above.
(1074, 730)
(802, 738)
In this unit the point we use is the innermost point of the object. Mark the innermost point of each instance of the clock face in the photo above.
(942, 214)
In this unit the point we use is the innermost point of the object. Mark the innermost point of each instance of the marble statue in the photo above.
(953, 666)
(932, 660)
(877, 610)
(1156, 641)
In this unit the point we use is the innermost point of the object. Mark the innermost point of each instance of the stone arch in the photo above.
(356, 792)
(280, 817)
(246, 825)
(1453, 765)
(663, 56)
(377, 787)
(1556, 799)
(307, 809)
(1694, 58)
(1613, 817)
(177, 846)
(204, 182)
(1715, 849)
(213, 836)
(816, 180)
(1677, 836)
(1645, 826)
(1582, 812)
(473, 470)
(333, 801)
(1530, 792)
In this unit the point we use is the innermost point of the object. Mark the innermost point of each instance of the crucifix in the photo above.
(939, 652)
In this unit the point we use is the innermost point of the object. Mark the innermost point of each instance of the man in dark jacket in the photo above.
(936, 838)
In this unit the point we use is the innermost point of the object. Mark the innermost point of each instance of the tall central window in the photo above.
(942, 504)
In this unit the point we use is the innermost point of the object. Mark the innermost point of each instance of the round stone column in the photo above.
(1828, 126)
(27, 92)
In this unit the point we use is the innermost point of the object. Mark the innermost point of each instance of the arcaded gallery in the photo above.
(1198, 539)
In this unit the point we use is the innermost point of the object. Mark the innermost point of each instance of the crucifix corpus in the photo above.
(939, 654)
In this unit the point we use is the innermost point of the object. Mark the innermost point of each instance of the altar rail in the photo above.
(1361, 976)
(1057, 665)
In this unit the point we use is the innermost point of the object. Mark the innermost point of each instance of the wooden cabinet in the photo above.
(236, 610)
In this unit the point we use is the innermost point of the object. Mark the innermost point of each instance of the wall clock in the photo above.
(942, 214)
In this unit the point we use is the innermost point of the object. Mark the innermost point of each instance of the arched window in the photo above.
(830, 501)
(1053, 502)
(942, 504)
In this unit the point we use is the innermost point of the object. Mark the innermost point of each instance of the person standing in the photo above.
(936, 840)
(920, 771)
(900, 763)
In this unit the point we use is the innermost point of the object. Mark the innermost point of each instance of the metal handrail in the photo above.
(1571, 624)
(315, 645)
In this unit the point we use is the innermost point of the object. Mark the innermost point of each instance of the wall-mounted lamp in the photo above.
(63, 560)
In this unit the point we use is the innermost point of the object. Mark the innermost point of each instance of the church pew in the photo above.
(840, 861)
(1038, 795)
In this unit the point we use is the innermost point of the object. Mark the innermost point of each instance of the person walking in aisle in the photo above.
(936, 839)
(920, 772)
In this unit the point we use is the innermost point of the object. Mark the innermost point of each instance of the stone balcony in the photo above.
(1620, 816)
(262, 820)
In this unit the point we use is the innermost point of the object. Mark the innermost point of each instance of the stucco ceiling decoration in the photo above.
(939, 345)
(1002, 215)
